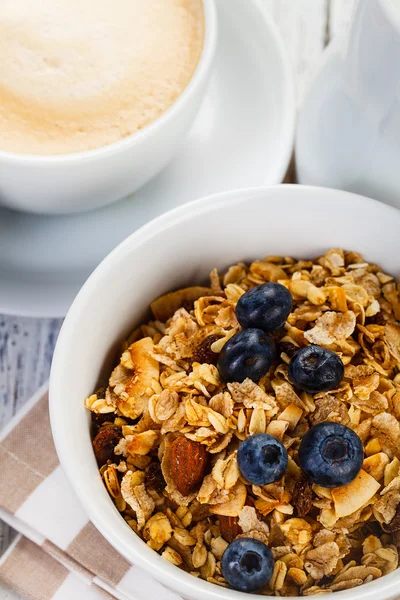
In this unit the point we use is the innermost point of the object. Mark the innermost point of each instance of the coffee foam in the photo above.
(80, 74)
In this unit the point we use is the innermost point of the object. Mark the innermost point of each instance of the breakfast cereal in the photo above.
(168, 428)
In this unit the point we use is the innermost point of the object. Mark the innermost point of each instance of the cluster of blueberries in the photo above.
(330, 454)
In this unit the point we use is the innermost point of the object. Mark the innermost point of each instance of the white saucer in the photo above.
(242, 137)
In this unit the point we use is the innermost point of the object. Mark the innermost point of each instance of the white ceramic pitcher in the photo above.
(348, 134)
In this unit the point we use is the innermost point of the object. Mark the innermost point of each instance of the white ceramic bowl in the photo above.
(179, 248)
(86, 180)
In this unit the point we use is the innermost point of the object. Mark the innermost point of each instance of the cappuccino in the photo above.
(76, 75)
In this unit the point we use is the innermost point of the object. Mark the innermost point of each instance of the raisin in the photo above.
(188, 305)
(377, 319)
(104, 444)
(98, 420)
(287, 348)
(302, 496)
(154, 477)
(394, 524)
(204, 354)
(357, 360)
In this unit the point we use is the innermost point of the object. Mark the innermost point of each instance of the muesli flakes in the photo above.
(166, 414)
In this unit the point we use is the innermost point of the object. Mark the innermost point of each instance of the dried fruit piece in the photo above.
(154, 477)
(98, 419)
(204, 354)
(302, 496)
(288, 348)
(164, 307)
(189, 462)
(104, 444)
(351, 497)
(317, 535)
(132, 380)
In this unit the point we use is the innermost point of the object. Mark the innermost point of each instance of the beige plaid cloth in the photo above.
(58, 554)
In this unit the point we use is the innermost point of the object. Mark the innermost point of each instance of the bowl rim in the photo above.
(199, 75)
(136, 551)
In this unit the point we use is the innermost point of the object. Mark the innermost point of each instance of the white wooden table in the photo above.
(26, 345)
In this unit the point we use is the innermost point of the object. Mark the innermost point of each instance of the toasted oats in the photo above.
(286, 395)
(226, 472)
(208, 569)
(340, 302)
(218, 547)
(322, 560)
(223, 404)
(142, 443)
(184, 537)
(249, 521)
(361, 572)
(158, 530)
(137, 498)
(211, 493)
(232, 507)
(392, 339)
(345, 585)
(298, 532)
(297, 575)
(332, 327)
(130, 385)
(199, 555)
(278, 576)
(387, 429)
(251, 395)
(99, 405)
(172, 556)
(315, 591)
(166, 406)
(391, 471)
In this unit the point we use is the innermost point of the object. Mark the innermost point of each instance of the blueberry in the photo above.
(331, 455)
(247, 564)
(262, 459)
(249, 353)
(265, 306)
(315, 369)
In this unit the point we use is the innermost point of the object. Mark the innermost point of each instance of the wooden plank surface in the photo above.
(26, 345)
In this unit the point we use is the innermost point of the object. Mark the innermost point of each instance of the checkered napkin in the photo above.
(58, 554)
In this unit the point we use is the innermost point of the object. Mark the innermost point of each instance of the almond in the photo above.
(229, 527)
(189, 462)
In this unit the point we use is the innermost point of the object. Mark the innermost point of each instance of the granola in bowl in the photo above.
(168, 427)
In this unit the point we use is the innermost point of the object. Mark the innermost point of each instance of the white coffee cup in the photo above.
(349, 127)
(82, 181)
